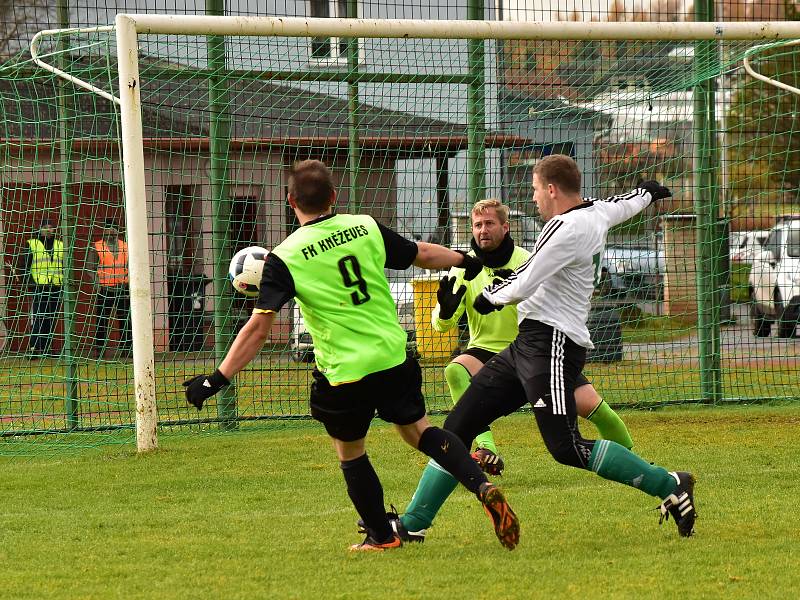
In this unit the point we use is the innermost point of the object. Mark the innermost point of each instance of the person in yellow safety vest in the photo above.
(108, 259)
(44, 269)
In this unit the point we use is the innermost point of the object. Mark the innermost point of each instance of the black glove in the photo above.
(449, 300)
(471, 265)
(657, 191)
(483, 306)
(202, 387)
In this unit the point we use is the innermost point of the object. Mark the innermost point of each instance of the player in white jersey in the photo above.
(541, 367)
(493, 245)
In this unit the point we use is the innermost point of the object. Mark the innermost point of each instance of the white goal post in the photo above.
(129, 26)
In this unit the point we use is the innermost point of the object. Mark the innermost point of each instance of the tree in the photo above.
(19, 21)
(763, 147)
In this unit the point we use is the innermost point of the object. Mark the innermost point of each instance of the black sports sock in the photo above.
(452, 455)
(366, 493)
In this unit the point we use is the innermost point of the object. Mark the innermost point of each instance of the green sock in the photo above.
(612, 461)
(610, 425)
(434, 487)
(486, 440)
(458, 379)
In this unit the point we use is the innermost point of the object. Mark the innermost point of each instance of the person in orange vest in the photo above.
(109, 258)
(43, 269)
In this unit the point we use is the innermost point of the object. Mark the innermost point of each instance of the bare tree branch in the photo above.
(19, 21)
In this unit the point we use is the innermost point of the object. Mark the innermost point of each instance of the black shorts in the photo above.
(486, 355)
(482, 355)
(541, 368)
(346, 410)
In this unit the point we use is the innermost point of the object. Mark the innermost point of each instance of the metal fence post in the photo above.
(476, 111)
(219, 147)
(706, 203)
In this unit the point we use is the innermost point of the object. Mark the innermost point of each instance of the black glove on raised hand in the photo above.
(657, 191)
(483, 306)
(449, 300)
(202, 387)
(471, 265)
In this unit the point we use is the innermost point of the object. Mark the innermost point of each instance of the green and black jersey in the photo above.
(334, 267)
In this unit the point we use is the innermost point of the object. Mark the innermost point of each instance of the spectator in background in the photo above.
(108, 263)
(43, 268)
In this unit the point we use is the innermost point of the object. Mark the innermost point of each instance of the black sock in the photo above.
(452, 455)
(366, 493)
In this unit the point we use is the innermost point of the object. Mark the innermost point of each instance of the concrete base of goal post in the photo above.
(680, 283)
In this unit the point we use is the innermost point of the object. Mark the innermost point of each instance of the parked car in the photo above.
(775, 281)
(634, 270)
(302, 346)
(744, 245)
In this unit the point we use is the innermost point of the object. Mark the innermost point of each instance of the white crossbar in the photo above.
(442, 29)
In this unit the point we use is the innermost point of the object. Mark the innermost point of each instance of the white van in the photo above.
(746, 245)
(775, 281)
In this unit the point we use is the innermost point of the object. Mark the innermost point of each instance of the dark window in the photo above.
(182, 228)
(243, 230)
(793, 243)
(290, 218)
(322, 48)
(773, 244)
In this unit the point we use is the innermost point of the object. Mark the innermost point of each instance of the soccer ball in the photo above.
(246, 268)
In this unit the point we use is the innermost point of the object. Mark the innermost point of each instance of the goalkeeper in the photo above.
(489, 334)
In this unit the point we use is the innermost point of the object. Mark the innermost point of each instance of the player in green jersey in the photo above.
(333, 265)
(489, 334)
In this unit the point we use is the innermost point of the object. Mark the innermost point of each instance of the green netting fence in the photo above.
(693, 308)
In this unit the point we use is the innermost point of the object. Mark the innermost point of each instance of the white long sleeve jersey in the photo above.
(555, 284)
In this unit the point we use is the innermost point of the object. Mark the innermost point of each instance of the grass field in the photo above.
(273, 385)
(264, 514)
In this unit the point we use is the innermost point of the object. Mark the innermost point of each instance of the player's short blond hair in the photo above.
(481, 206)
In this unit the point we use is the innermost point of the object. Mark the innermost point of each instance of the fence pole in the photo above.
(706, 202)
(353, 150)
(69, 289)
(219, 148)
(476, 111)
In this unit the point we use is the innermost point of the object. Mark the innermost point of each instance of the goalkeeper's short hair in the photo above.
(481, 206)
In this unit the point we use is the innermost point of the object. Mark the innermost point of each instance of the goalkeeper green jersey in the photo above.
(492, 332)
(337, 265)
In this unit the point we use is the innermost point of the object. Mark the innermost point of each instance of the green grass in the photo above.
(34, 398)
(264, 514)
(643, 328)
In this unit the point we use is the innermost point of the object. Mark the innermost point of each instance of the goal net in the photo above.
(171, 138)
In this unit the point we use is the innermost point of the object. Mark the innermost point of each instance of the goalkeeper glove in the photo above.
(484, 306)
(202, 387)
(656, 190)
(471, 265)
(449, 301)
